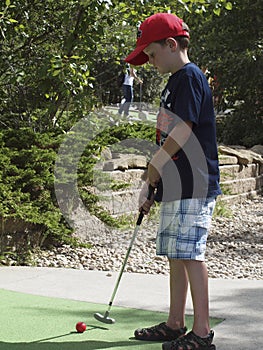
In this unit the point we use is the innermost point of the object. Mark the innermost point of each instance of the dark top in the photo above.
(193, 172)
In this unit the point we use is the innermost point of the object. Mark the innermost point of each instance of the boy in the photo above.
(186, 174)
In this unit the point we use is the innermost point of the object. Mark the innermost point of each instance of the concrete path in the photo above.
(238, 302)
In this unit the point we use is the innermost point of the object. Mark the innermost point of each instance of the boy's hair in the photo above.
(183, 41)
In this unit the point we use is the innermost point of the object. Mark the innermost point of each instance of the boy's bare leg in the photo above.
(198, 279)
(178, 293)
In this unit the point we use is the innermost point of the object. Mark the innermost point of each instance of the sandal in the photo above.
(191, 341)
(159, 332)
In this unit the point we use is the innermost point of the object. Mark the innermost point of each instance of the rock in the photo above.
(234, 248)
(244, 156)
(137, 162)
(126, 161)
(106, 154)
(227, 159)
(116, 164)
(116, 155)
(257, 149)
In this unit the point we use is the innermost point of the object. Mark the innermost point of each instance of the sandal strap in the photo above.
(161, 329)
(191, 341)
(159, 332)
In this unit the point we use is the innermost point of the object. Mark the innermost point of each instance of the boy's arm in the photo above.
(173, 143)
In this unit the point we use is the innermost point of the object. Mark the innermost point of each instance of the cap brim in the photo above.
(137, 57)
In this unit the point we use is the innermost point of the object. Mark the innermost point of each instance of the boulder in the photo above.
(257, 149)
(244, 156)
(125, 161)
(106, 154)
(227, 159)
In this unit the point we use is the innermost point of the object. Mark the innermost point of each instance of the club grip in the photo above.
(141, 215)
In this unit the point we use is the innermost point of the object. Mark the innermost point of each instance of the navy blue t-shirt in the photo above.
(194, 171)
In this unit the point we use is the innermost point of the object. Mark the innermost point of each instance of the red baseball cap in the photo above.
(156, 27)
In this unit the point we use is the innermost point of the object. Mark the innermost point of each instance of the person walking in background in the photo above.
(127, 88)
(185, 172)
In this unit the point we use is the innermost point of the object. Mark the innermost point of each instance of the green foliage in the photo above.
(26, 171)
(46, 61)
(230, 46)
(27, 178)
(242, 128)
(222, 210)
(59, 57)
(60, 61)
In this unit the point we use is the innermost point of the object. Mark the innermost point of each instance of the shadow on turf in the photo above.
(90, 345)
(89, 328)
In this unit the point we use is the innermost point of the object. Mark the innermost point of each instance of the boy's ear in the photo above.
(171, 42)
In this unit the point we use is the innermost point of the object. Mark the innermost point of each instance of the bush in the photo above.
(28, 208)
(241, 128)
(26, 189)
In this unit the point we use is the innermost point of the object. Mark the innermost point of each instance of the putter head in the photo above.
(104, 319)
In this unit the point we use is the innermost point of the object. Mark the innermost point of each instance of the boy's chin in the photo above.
(162, 71)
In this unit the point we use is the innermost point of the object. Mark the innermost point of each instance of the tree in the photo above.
(43, 68)
(54, 52)
(58, 61)
(230, 45)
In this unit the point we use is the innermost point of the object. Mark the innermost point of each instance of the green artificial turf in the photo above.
(29, 322)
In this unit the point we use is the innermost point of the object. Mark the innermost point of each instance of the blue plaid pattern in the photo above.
(183, 228)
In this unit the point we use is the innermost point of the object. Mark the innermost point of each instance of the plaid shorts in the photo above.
(183, 228)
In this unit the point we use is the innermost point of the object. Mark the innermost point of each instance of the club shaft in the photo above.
(138, 223)
(123, 266)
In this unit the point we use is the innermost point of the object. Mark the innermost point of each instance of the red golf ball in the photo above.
(81, 327)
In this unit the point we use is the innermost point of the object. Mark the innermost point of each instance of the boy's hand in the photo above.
(144, 203)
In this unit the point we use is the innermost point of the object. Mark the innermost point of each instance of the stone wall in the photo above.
(122, 201)
(241, 174)
(118, 181)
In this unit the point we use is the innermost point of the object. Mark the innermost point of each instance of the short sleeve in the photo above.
(187, 104)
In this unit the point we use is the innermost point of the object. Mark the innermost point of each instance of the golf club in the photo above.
(105, 318)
